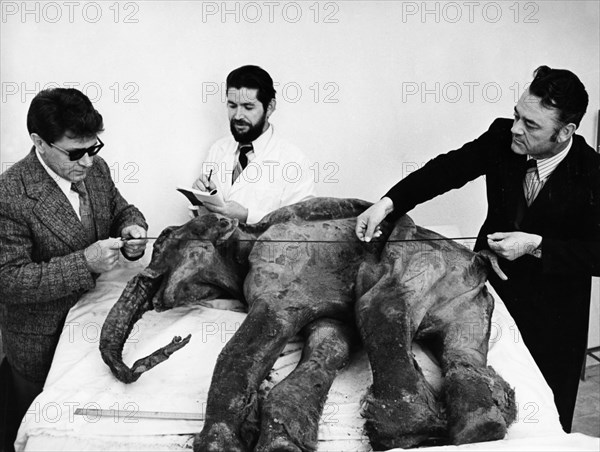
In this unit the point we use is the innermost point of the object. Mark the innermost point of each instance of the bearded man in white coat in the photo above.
(255, 170)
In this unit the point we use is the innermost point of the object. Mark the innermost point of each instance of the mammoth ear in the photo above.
(164, 236)
(225, 231)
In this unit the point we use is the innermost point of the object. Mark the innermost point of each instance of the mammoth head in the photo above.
(193, 267)
(210, 227)
(186, 266)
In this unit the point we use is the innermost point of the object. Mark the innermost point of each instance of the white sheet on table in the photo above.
(80, 379)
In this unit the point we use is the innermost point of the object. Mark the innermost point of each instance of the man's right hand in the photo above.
(202, 183)
(103, 255)
(367, 223)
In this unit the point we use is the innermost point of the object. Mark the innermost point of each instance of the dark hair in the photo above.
(562, 90)
(253, 77)
(55, 111)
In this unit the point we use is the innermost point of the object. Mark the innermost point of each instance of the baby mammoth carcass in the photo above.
(302, 269)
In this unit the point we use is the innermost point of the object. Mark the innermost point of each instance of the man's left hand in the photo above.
(511, 245)
(136, 247)
(231, 209)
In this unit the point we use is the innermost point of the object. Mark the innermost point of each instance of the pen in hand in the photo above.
(211, 192)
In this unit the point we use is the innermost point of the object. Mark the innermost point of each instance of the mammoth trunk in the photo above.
(134, 301)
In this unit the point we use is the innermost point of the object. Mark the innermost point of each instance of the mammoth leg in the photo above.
(479, 403)
(401, 410)
(241, 367)
(293, 408)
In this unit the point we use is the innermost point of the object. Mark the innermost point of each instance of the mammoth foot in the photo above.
(218, 437)
(408, 422)
(280, 444)
(480, 405)
(485, 425)
(290, 421)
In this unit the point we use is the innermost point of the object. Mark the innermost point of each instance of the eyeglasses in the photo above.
(76, 154)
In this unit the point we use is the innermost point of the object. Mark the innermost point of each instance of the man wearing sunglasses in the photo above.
(62, 223)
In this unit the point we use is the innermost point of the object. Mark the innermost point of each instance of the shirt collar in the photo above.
(62, 183)
(547, 166)
(260, 144)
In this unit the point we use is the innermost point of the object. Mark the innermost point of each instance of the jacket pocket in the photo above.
(38, 319)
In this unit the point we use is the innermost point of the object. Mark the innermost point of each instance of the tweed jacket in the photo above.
(42, 265)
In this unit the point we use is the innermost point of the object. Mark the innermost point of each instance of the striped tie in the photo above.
(242, 162)
(85, 210)
(531, 183)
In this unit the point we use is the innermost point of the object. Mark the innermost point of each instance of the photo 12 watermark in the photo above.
(290, 92)
(115, 91)
(272, 171)
(126, 173)
(90, 332)
(71, 412)
(70, 12)
(317, 12)
(470, 12)
(460, 92)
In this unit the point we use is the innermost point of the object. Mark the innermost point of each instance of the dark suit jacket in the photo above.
(42, 267)
(548, 297)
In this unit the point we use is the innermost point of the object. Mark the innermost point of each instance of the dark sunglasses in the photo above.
(76, 154)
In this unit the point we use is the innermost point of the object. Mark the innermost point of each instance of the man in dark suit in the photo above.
(543, 220)
(62, 223)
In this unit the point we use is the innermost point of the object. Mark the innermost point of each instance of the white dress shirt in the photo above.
(278, 174)
(545, 168)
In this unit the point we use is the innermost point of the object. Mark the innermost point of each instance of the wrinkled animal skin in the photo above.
(302, 270)
(426, 288)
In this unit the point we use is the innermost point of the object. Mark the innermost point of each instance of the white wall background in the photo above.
(369, 89)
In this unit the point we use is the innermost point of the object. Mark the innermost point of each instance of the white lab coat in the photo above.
(279, 175)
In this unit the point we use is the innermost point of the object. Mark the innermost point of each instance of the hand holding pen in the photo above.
(212, 189)
(204, 183)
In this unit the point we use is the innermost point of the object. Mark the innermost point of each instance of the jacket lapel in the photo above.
(514, 194)
(52, 207)
(100, 199)
(557, 189)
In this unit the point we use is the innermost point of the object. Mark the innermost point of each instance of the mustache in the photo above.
(240, 122)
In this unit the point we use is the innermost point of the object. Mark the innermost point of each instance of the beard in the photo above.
(253, 132)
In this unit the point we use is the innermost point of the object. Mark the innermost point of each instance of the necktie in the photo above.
(531, 183)
(85, 210)
(242, 162)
